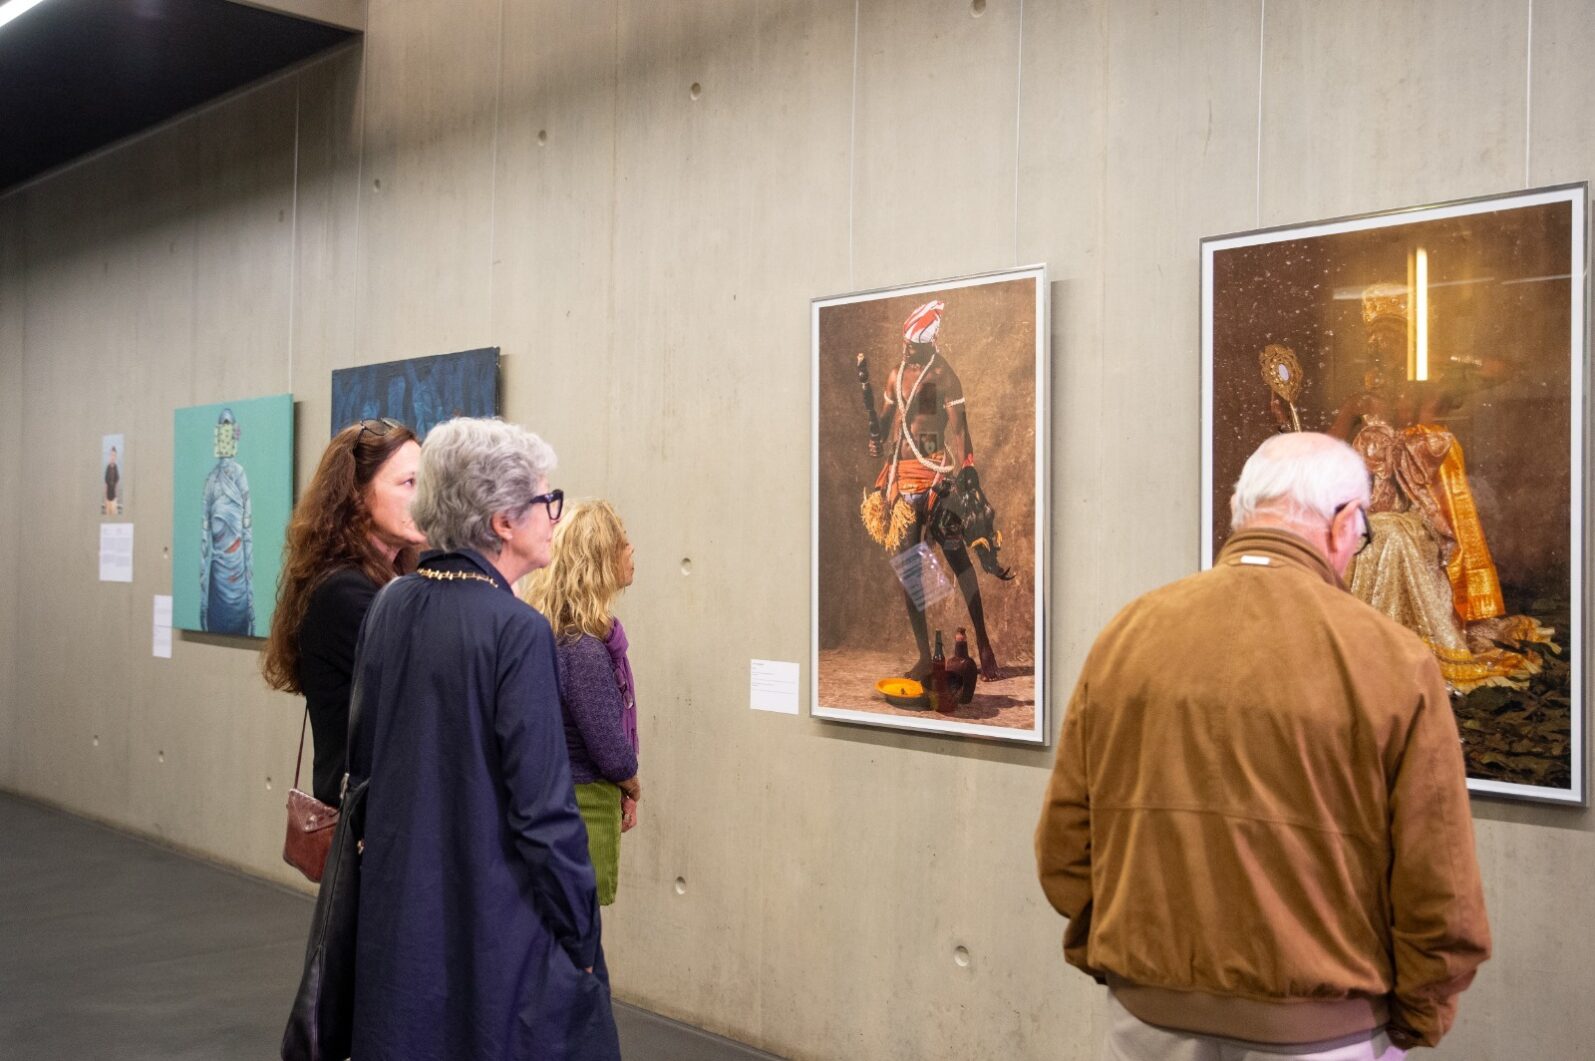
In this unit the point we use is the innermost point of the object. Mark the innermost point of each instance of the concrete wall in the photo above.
(536, 175)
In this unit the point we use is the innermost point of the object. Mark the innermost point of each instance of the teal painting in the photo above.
(232, 493)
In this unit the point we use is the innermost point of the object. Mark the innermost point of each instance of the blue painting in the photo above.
(420, 393)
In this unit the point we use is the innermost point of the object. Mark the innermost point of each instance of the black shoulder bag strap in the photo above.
(321, 1024)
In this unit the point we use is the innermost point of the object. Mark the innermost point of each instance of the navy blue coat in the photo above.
(478, 911)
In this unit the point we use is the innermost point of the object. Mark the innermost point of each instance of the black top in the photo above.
(326, 664)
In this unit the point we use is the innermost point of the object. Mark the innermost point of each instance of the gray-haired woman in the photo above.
(478, 931)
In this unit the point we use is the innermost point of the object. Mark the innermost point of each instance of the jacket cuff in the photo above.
(584, 952)
(624, 772)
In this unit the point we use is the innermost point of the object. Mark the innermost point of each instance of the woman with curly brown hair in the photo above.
(350, 534)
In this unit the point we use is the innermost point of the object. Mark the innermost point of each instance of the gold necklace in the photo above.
(454, 576)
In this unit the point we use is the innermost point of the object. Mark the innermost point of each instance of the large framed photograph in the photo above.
(930, 506)
(1447, 345)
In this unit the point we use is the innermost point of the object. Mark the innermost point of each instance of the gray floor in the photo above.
(111, 947)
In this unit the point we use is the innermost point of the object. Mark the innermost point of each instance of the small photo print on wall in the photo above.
(232, 492)
(113, 469)
(929, 506)
(1446, 345)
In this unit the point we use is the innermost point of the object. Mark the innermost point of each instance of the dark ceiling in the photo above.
(76, 75)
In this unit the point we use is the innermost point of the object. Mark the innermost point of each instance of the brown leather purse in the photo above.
(311, 823)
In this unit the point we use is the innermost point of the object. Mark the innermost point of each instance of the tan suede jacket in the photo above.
(1258, 822)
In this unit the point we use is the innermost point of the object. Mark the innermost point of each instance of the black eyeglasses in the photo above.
(378, 427)
(1366, 533)
(554, 501)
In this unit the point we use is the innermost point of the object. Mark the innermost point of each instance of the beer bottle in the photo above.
(941, 694)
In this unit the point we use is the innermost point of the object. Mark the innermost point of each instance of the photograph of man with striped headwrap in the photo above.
(927, 567)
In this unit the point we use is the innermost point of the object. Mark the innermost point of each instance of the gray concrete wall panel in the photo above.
(635, 203)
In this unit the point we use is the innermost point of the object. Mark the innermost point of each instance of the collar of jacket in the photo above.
(1278, 545)
(464, 560)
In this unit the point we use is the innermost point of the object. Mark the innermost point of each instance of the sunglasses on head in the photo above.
(380, 426)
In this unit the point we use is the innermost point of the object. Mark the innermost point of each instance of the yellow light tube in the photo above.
(1421, 316)
(1412, 341)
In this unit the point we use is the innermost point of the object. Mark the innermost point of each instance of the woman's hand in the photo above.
(628, 814)
(631, 788)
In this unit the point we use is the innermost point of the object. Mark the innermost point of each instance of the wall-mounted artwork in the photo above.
(113, 471)
(232, 491)
(1446, 344)
(419, 393)
(930, 507)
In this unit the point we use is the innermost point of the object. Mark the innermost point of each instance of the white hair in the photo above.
(1299, 475)
(470, 471)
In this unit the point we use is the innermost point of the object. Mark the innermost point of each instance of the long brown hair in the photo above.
(331, 530)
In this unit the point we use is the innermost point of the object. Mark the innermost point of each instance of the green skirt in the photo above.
(599, 804)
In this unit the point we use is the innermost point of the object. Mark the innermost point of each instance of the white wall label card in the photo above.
(163, 628)
(773, 686)
(116, 552)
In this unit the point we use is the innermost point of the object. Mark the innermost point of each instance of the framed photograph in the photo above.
(1447, 345)
(930, 506)
(420, 393)
(232, 493)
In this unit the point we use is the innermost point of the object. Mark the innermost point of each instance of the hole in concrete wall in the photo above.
(686, 565)
(268, 784)
(96, 740)
(695, 91)
(166, 552)
(977, 8)
(961, 957)
(160, 757)
(542, 137)
(681, 886)
(376, 184)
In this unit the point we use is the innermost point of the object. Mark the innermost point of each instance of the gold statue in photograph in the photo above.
(1428, 564)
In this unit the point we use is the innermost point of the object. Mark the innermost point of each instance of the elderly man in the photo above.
(1258, 822)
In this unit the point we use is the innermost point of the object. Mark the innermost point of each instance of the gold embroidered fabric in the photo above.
(1428, 565)
(1400, 573)
(1421, 467)
(1475, 584)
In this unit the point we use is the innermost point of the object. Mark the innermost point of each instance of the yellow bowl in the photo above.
(902, 692)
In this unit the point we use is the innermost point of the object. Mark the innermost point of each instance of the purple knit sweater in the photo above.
(589, 696)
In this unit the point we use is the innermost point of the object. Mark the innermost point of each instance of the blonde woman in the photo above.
(591, 565)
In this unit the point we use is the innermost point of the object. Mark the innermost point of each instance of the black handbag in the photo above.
(321, 1023)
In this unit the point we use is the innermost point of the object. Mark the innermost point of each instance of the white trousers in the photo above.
(1132, 1039)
